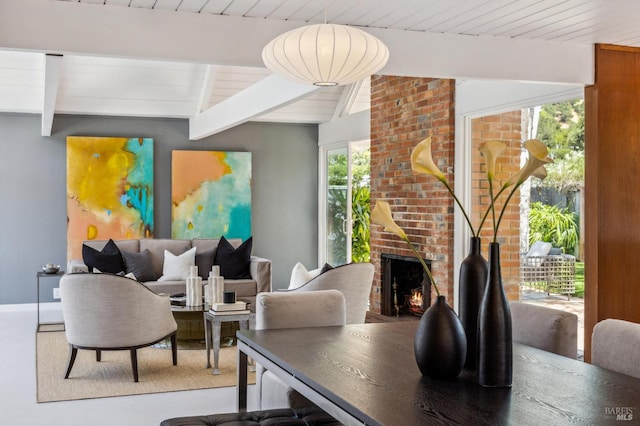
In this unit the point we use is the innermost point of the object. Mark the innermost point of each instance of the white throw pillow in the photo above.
(176, 268)
(300, 275)
(539, 248)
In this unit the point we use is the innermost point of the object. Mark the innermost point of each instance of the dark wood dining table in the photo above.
(367, 374)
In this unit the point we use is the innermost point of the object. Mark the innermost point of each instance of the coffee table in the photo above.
(212, 325)
(189, 319)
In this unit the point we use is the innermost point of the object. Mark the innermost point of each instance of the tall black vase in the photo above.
(495, 347)
(440, 344)
(472, 282)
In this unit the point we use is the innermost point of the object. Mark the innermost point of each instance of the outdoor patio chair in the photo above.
(547, 269)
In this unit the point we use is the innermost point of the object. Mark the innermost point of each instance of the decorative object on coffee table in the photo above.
(194, 287)
(229, 297)
(216, 285)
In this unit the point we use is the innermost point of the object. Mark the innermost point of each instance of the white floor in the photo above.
(18, 406)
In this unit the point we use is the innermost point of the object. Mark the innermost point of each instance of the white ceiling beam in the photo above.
(52, 71)
(347, 98)
(207, 88)
(267, 95)
(53, 26)
(350, 128)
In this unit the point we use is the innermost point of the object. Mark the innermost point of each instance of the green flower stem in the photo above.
(424, 265)
(486, 213)
(493, 210)
(515, 187)
(444, 181)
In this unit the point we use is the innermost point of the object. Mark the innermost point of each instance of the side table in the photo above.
(39, 275)
(212, 326)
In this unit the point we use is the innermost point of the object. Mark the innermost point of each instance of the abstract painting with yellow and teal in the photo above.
(109, 190)
(210, 194)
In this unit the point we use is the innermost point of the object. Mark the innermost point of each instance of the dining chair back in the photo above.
(545, 328)
(615, 345)
(293, 310)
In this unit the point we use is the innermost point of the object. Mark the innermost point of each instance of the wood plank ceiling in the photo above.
(100, 85)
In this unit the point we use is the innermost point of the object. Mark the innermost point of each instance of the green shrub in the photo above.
(554, 225)
(360, 211)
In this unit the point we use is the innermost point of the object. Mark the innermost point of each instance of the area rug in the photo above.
(113, 376)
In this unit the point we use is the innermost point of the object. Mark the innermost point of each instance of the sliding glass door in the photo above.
(338, 207)
(345, 174)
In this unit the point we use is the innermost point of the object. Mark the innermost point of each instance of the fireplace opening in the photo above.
(406, 288)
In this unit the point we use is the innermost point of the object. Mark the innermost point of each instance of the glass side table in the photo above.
(39, 275)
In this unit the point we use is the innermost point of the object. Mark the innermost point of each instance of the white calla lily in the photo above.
(422, 161)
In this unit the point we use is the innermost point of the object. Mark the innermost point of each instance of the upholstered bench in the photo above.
(284, 416)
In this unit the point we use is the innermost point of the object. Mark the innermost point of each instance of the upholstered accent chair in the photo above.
(105, 312)
(615, 345)
(353, 280)
(545, 328)
(293, 310)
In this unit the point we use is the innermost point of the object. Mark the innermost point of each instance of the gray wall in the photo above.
(33, 189)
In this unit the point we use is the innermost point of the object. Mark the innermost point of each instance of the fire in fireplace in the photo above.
(414, 302)
(406, 289)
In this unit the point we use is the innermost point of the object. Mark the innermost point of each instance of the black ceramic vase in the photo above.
(440, 344)
(495, 347)
(472, 282)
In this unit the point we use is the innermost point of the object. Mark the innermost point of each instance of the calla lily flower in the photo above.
(540, 173)
(537, 158)
(381, 215)
(491, 151)
(422, 161)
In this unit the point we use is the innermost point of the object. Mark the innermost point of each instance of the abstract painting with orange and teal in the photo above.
(109, 190)
(210, 194)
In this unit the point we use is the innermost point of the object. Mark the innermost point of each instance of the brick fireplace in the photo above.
(405, 288)
(404, 111)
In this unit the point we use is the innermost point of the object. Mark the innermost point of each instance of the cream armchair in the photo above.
(293, 310)
(104, 312)
(353, 280)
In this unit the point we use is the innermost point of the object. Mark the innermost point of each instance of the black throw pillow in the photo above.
(139, 264)
(234, 263)
(204, 262)
(107, 260)
(326, 268)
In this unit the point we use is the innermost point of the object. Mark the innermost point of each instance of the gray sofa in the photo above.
(246, 289)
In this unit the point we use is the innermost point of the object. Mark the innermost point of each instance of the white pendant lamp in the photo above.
(325, 54)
